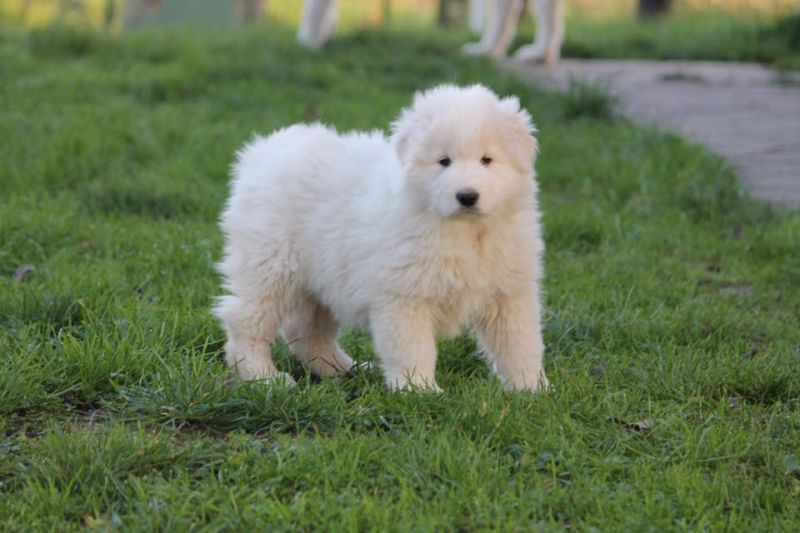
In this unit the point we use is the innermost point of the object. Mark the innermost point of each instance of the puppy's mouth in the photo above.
(470, 211)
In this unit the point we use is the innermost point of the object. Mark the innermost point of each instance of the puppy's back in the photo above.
(309, 156)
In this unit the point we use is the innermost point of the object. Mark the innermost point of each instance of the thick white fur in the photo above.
(501, 25)
(326, 230)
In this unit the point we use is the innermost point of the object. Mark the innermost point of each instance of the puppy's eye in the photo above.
(485, 160)
(445, 161)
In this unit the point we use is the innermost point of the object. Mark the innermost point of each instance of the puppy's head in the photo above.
(465, 151)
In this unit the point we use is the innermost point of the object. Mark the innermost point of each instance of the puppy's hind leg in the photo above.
(251, 326)
(310, 330)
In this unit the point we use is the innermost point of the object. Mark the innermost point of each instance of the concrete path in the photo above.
(745, 112)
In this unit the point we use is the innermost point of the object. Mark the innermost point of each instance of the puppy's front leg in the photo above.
(510, 333)
(406, 345)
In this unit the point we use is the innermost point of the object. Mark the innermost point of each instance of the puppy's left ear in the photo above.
(402, 132)
(407, 127)
(522, 132)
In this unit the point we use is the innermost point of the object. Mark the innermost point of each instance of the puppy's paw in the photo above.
(425, 389)
(539, 384)
(268, 375)
(543, 385)
(430, 388)
(415, 385)
(358, 366)
(277, 378)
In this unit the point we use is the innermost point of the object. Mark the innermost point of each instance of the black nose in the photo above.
(467, 197)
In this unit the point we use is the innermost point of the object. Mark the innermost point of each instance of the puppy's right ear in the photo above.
(406, 128)
(522, 129)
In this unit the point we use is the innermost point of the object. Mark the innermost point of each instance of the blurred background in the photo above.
(766, 31)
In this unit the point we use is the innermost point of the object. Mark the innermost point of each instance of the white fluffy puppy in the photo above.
(414, 237)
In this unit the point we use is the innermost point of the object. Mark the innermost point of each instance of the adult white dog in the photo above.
(501, 17)
(414, 237)
(496, 19)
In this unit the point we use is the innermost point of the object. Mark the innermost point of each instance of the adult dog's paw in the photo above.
(530, 54)
(473, 49)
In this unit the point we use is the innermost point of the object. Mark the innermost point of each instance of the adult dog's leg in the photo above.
(546, 47)
(510, 333)
(499, 31)
(406, 345)
(318, 23)
(477, 16)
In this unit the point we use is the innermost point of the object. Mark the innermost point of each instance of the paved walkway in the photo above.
(745, 112)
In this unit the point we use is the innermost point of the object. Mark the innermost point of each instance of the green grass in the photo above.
(590, 100)
(671, 299)
(713, 35)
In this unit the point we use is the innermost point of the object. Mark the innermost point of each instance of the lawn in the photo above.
(695, 35)
(724, 30)
(672, 322)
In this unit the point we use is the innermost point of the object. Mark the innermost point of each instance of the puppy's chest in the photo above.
(458, 291)
(465, 280)
(457, 275)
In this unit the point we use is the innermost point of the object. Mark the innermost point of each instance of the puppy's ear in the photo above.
(522, 132)
(406, 127)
